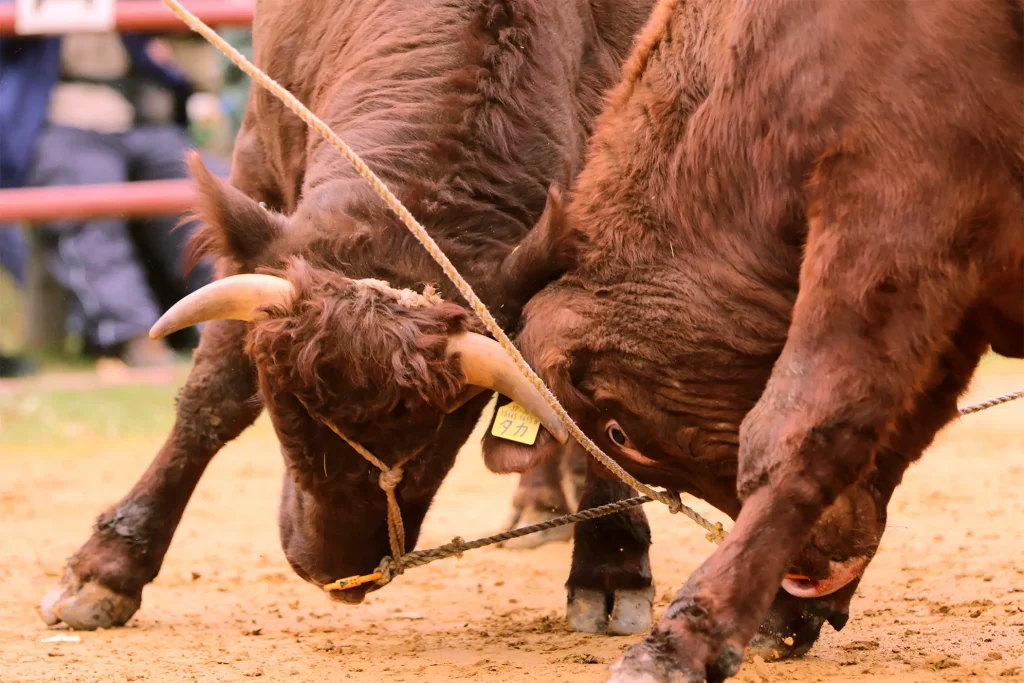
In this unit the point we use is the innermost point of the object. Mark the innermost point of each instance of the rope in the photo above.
(421, 234)
(992, 402)
(458, 546)
(390, 478)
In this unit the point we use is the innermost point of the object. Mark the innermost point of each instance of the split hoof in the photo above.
(793, 625)
(86, 606)
(622, 613)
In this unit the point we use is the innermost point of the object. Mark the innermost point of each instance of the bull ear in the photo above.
(505, 457)
(544, 254)
(234, 226)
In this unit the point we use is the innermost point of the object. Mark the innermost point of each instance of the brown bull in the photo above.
(799, 227)
(470, 110)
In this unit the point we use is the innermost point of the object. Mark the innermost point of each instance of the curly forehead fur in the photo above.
(353, 349)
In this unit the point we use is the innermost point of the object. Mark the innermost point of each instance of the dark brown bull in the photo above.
(800, 226)
(470, 110)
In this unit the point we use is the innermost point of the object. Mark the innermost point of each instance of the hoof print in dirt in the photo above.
(86, 606)
(622, 613)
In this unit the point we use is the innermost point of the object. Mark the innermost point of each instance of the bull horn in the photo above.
(232, 298)
(486, 364)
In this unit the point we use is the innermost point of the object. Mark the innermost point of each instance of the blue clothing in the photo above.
(29, 70)
(13, 252)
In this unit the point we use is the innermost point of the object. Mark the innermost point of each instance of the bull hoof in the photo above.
(622, 613)
(86, 606)
(531, 515)
(793, 625)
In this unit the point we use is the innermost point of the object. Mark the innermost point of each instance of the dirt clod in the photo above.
(761, 669)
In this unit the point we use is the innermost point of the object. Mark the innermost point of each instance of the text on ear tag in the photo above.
(514, 423)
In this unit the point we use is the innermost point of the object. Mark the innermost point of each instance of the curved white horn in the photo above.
(487, 365)
(235, 297)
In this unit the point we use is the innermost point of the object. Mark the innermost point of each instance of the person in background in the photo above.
(13, 259)
(103, 108)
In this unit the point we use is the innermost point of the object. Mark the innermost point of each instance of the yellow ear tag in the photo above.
(514, 423)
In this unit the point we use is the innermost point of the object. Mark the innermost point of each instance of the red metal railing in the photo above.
(152, 16)
(136, 199)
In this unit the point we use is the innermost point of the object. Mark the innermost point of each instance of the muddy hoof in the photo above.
(793, 626)
(86, 606)
(520, 519)
(622, 613)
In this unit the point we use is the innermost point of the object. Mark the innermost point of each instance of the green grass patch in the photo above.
(11, 319)
(40, 415)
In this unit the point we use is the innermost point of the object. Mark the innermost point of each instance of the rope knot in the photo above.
(387, 571)
(389, 479)
(457, 546)
(675, 503)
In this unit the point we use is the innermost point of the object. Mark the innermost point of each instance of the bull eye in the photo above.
(615, 433)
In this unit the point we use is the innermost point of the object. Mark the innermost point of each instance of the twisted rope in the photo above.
(385, 571)
(390, 478)
(991, 403)
(421, 234)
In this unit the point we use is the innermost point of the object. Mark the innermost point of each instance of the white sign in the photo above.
(35, 17)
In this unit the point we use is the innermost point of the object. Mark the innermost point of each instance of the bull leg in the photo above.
(103, 581)
(870, 318)
(610, 589)
(793, 624)
(538, 498)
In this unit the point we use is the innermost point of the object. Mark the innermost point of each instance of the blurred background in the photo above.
(94, 126)
(84, 272)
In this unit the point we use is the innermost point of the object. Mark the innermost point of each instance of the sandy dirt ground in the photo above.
(943, 601)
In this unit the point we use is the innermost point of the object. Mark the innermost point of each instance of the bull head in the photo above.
(245, 297)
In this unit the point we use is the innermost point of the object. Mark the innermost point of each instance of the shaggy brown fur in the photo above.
(470, 110)
(800, 225)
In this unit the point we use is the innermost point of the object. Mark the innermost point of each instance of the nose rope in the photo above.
(390, 478)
